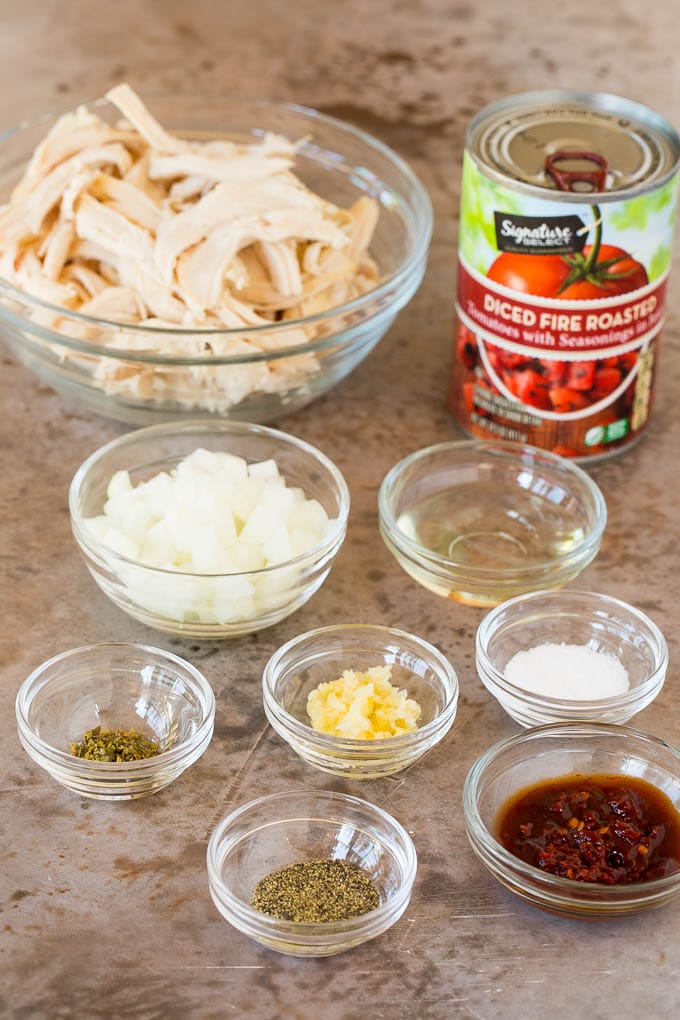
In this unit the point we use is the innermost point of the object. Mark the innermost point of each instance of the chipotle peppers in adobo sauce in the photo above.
(605, 829)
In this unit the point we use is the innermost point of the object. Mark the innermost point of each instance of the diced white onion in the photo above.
(213, 515)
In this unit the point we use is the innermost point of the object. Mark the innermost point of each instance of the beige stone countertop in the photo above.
(104, 908)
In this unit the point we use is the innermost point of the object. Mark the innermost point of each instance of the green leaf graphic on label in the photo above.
(659, 262)
(635, 213)
(480, 198)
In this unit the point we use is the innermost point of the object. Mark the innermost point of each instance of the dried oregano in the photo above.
(114, 745)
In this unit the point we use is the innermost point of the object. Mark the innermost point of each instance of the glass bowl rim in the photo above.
(568, 888)
(70, 761)
(509, 451)
(486, 631)
(423, 222)
(199, 425)
(396, 900)
(444, 670)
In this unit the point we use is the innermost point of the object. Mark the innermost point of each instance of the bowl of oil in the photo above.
(479, 522)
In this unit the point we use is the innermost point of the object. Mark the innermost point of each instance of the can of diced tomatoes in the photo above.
(566, 228)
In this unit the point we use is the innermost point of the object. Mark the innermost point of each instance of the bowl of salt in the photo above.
(554, 656)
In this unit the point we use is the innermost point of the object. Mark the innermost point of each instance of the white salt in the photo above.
(570, 672)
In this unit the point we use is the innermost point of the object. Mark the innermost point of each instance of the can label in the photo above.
(559, 310)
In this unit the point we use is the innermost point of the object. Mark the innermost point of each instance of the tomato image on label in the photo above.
(553, 387)
(612, 271)
(599, 271)
(563, 387)
(540, 275)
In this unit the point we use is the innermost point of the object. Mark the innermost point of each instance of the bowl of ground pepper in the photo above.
(310, 873)
(580, 819)
(115, 721)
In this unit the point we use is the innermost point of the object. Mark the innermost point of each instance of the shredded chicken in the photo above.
(139, 227)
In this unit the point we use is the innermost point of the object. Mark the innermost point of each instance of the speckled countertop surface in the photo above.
(104, 909)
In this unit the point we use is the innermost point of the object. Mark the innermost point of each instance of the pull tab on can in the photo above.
(567, 179)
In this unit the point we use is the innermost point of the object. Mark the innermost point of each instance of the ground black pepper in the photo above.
(316, 891)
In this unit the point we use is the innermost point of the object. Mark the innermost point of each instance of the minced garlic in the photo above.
(362, 706)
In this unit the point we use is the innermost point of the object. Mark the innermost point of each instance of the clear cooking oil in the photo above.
(477, 525)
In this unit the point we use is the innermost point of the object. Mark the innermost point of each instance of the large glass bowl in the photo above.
(479, 522)
(117, 687)
(288, 828)
(108, 366)
(208, 605)
(547, 753)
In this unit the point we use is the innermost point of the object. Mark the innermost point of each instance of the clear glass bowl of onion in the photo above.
(218, 598)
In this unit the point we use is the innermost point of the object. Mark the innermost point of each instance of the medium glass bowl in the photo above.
(479, 522)
(286, 828)
(208, 605)
(550, 752)
(603, 623)
(116, 686)
(321, 655)
(115, 369)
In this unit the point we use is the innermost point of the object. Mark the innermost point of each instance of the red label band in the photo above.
(551, 324)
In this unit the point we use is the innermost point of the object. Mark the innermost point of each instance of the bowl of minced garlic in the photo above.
(360, 701)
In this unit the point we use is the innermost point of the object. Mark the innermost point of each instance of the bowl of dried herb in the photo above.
(311, 873)
(115, 721)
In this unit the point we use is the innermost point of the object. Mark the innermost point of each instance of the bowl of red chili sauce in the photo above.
(580, 819)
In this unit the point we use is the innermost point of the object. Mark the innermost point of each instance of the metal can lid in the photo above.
(512, 139)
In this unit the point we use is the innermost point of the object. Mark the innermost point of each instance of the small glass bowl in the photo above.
(116, 686)
(549, 752)
(321, 655)
(498, 518)
(209, 605)
(603, 623)
(286, 828)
